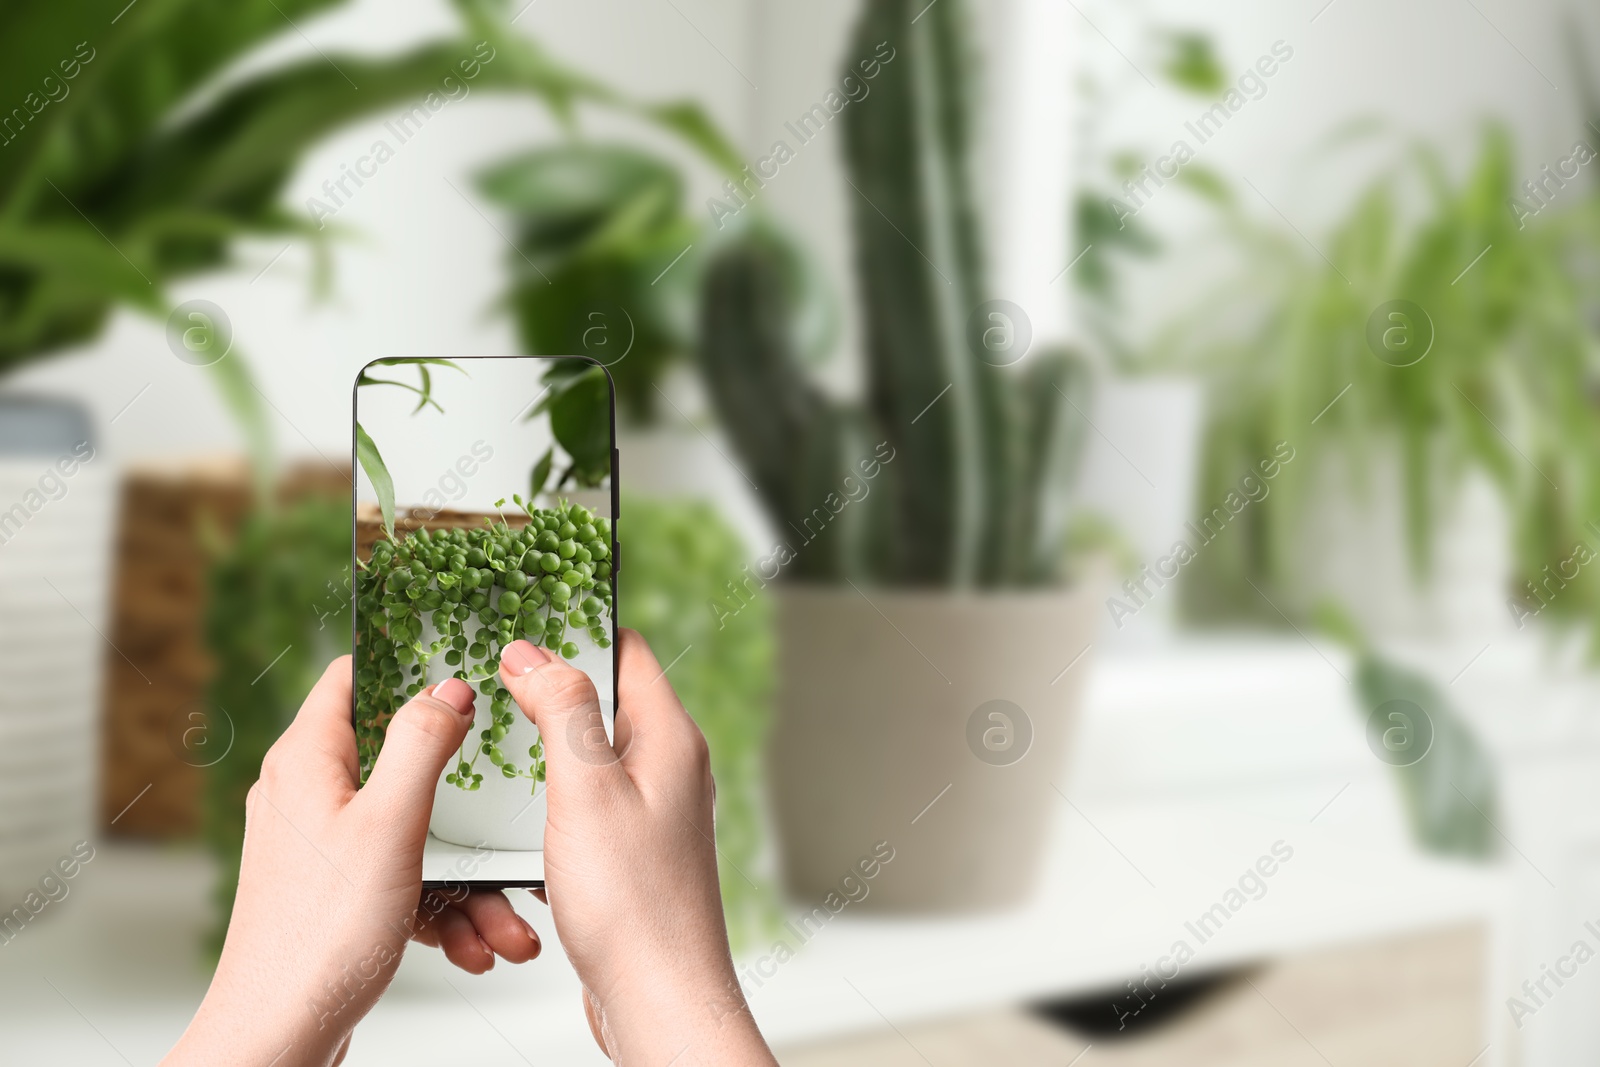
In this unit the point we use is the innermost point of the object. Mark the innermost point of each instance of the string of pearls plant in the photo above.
(480, 589)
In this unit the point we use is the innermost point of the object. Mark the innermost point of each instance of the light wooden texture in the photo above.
(157, 620)
(160, 669)
(369, 522)
(1408, 1002)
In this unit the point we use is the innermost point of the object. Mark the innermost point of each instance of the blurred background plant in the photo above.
(598, 229)
(1501, 382)
(980, 493)
(1104, 225)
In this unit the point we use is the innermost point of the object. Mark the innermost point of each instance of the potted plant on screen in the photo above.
(930, 634)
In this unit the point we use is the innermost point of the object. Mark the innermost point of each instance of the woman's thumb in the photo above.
(561, 701)
(421, 739)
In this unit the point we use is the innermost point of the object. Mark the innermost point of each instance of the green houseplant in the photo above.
(1498, 385)
(600, 231)
(928, 520)
(1483, 371)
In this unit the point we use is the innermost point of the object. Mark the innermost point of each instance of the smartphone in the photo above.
(485, 511)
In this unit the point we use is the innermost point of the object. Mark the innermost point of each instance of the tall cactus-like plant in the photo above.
(977, 493)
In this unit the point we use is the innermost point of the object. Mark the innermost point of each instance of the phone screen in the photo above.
(485, 512)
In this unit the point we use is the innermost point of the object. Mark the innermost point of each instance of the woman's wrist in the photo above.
(238, 1023)
(693, 1009)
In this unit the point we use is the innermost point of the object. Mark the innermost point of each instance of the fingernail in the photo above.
(521, 657)
(533, 935)
(488, 950)
(456, 693)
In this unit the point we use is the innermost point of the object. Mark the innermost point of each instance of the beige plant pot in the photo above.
(932, 721)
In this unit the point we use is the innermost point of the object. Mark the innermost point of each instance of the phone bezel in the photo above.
(616, 566)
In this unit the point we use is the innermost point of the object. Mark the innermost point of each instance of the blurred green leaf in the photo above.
(566, 197)
(1449, 792)
(691, 122)
(231, 376)
(1106, 229)
(540, 475)
(1206, 182)
(605, 265)
(1191, 63)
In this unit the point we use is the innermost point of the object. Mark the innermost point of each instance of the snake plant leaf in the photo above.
(378, 474)
(1449, 793)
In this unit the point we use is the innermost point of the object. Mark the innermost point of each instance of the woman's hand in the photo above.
(330, 886)
(630, 863)
(331, 876)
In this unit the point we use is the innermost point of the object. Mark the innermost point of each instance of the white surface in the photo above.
(122, 946)
(446, 862)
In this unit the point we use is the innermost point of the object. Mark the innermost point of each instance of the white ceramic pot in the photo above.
(1353, 548)
(932, 721)
(506, 814)
(55, 543)
(1140, 470)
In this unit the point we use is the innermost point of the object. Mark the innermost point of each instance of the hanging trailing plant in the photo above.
(464, 595)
